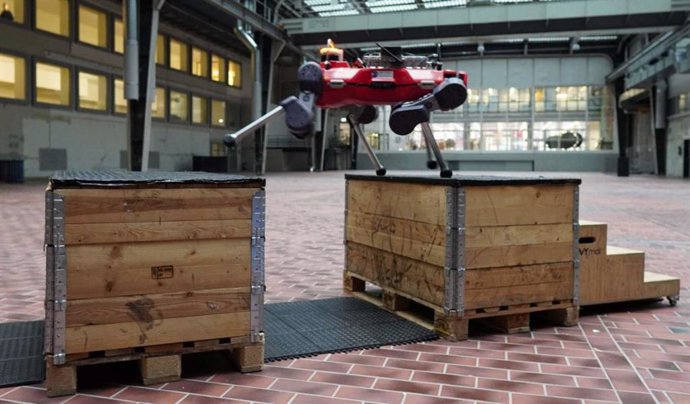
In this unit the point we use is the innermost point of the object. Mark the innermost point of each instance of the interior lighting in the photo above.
(385, 3)
(338, 13)
(444, 3)
(388, 9)
(480, 48)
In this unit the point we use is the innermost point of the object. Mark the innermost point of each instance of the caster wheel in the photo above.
(446, 173)
(431, 164)
(381, 172)
(672, 300)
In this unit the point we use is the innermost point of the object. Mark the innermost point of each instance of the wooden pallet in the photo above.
(158, 363)
(455, 326)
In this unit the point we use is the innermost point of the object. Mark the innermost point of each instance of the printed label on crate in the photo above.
(162, 272)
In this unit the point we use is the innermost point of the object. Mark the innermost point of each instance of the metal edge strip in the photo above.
(257, 265)
(461, 209)
(576, 242)
(59, 279)
(450, 301)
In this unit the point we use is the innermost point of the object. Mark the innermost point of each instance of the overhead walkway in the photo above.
(490, 19)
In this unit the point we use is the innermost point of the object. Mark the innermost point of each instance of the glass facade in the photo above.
(93, 27)
(179, 55)
(218, 113)
(118, 36)
(158, 109)
(199, 62)
(217, 68)
(52, 85)
(119, 103)
(53, 16)
(199, 110)
(12, 77)
(517, 119)
(13, 10)
(93, 89)
(234, 74)
(179, 107)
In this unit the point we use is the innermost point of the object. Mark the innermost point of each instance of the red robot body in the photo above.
(344, 85)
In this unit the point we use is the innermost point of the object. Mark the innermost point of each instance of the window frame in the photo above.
(166, 103)
(223, 76)
(225, 113)
(70, 29)
(108, 90)
(188, 55)
(112, 97)
(208, 62)
(27, 18)
(28, 78)
(111, 47)
(168, 111)
(34, 93)
(191, 110)
(109, 27)
(227, 70)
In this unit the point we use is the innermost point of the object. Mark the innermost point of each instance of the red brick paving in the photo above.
(624, 353)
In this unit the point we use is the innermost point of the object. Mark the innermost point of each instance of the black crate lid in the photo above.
(463, 180)
(121, 178)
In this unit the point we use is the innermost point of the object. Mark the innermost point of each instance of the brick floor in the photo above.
(626, 353)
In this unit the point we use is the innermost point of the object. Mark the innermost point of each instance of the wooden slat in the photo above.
(423, 281)
(126, 269)
(506, 205)
(558, 285)
(156, 205)
(478, 237)
(132, 334)
(416, 202)
(659, 285)
(148, 308)
(101, 233)
(428, 233)
(505, 256)
(406, 247)
(508, 277)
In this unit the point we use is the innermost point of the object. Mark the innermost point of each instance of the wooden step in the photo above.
(592, 238)
(614, 277)
(660, 285)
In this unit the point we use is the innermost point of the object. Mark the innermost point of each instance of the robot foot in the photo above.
(450, 94)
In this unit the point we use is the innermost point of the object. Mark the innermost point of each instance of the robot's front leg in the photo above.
(299, 117)
(365, 114)
(448, 95)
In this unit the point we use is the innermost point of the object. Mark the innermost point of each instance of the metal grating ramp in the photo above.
(21, 353)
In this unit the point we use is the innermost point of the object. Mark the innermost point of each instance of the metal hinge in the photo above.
(59, 358)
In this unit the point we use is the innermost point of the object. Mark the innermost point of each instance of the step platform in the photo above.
(610, 274)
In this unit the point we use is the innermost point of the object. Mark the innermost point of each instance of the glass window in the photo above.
(160, 50)
(473, 99)
(234, 74)
(12, 77)
(217, 68)
(93, 90)
(158, 104)
(179, 106)
(12, 10)
(199, 110)
(120, 102)
(118, 36)
(199, 62)
(178, 56)
(93, 27)
(217, 149)
(52, 84)
(218, 113)
(53, 16)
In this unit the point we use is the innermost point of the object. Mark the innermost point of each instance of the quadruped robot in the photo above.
(413, 85)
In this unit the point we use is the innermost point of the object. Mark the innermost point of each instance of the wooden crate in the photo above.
(465, 247)
(151, 260)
